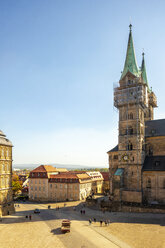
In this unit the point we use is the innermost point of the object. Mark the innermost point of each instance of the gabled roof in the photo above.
(130, 61)
(155, 128)
(45, 168)
(154, 163)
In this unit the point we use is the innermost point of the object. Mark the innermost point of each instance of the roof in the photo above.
(105, 175)
(44, 168)
(155, 128)
(130, 61)
(4, 140)
(64, 175)
(83, 176)
(143, 71)
(119, 172)
(61, 170)
(154, 163)
(115, 149)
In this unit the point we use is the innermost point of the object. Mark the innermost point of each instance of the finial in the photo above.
(143, 54)
(130, 26)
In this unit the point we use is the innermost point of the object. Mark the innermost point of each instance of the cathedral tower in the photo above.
(135, 102)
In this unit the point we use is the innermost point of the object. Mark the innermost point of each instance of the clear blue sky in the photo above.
(58, 62)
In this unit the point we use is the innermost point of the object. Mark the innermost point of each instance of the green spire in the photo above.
(143, 71)
(130, 61)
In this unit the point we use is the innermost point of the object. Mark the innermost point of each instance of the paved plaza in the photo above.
(43, 230)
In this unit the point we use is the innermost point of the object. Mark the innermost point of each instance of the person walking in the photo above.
(30, 217)
(101, 222)
(90, 221)
(94, 220)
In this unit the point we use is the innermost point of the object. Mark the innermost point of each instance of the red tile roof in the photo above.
(45, 168)
(105, 175)
(64, 175)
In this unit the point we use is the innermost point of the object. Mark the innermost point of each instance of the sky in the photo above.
(59, 60)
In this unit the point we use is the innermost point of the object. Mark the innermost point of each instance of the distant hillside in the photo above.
(67, 166)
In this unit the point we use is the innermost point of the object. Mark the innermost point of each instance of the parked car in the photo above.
(36, 211)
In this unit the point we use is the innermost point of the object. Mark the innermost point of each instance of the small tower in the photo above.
(132, 98)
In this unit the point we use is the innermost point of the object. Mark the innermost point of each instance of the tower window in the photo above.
(115, 156)
(129, 146)
(130, 116)
(148, 183)
(129, 130)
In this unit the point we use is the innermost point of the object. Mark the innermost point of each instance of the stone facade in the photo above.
(6, 195)
(138, 137)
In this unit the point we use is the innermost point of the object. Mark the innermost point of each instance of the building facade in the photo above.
(47, 183)
(69, 187)
(128, 161)
(6, 195)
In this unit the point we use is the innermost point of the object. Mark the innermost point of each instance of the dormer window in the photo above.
(153, 131)
(157, 163)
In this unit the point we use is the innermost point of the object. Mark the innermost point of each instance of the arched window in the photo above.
(130, 116)
(129, 146)
(148, 185)
(130, 130)
(2, 153)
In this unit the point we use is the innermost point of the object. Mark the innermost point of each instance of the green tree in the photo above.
(16, 184)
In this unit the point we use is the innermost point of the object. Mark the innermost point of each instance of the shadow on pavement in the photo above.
(56, 231)
(69, 213)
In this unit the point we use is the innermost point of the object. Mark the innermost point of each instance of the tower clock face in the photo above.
(125, 157)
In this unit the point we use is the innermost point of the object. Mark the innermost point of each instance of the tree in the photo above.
(16, 184)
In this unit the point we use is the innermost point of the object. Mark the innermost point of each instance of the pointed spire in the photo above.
(130, 61)
(143, 71)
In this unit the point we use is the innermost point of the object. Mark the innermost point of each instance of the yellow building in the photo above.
(6, 196)
(69, 187)
(97, 181)
(38, 181)
(47, 183)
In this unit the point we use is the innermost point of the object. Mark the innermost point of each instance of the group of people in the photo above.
(30, 217)
(106, 222)
(82, 211)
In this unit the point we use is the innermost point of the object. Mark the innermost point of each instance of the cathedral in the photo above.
(137, 163)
